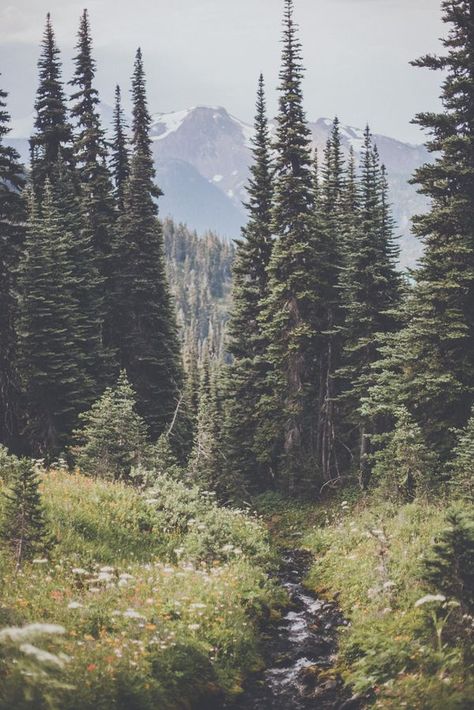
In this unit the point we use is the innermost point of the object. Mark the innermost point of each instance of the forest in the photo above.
(235, 475)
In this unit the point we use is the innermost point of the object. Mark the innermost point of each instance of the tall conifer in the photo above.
(286, 438)
(246, 375)
(53, 365)
(144, 327)
(90, 150)
(12, 215)
(52, 137)
(120, 159)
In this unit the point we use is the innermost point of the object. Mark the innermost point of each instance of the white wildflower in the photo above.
(75, 605)
(49, 659)
(430, 598)
(16, 634)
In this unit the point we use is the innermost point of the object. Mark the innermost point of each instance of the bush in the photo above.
(404, 466)
(462, 480)
(114, 438)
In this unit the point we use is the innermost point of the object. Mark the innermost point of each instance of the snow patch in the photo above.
(166, 123)
(217, 178)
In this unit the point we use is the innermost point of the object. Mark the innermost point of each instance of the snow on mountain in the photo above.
(203, 154)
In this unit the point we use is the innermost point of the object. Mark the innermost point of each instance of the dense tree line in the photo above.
(83, 282)
(332, 366)
(341, 367)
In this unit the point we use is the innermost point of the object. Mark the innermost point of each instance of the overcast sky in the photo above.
(356, 52)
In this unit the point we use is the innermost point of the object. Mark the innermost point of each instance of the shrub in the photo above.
(8, 464)
(24, 528)
(114, 437)
(463, 465)
(404, 466)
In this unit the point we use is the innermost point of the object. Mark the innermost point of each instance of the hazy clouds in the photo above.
(211, 51)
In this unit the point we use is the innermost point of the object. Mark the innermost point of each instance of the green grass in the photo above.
(369, 555)
(156, 615)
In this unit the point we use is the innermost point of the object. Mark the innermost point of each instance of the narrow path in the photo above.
(300, 651)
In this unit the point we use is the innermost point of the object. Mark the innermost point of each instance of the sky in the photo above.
(210, 52)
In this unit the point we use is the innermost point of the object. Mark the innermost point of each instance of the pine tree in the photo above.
(53, 367)
(52, 138)
(205, 464)
(330, 222)
(450, 565)
(120, 159)
(370, 287)
(247, 373)
(429, 367)
(24, 526)
(113, 439)
(405, 466)
(291, 322)
(144, 328)
(462, 468)
(12, 216)
(90, 151)
(443, 319)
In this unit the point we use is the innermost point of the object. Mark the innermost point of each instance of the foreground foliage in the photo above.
(147, 601)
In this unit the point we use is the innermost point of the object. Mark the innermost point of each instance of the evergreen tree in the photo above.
(113, 439)
(90, 151)
(205, 465)
(330, 222)
(450, 565)
(52, 138)
(12, 216)
(24, 526)
(286, 436)
(120, 159)
(405, 466)
(247, 373)
(429, 367)
(54, 371)
(462, 468)
(144, 328)
(370, 287)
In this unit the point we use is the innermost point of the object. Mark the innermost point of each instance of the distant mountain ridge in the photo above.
(203, 154)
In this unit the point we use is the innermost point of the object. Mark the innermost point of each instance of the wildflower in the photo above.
(430, 598)
(194, 627)
(91, 667)
(43, 561)
(75, 605)
(48, 659)
(132, 614)
(79, 571)
(15, 634)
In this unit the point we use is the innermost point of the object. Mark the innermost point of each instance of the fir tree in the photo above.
(144, 328)
(90, 151)
(246, 376)
(12, 216)
(286, 437)
(205, 463)
(462, 468)
(120, 159)
(24, 526)
(54, 371)
(370, 287)
(330, 222)
(429, 366)
(405, 466)
(450, 565)
(52, 138)
(113, 439)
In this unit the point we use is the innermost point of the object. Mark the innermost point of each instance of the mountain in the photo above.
(217, 146)
(202, 157)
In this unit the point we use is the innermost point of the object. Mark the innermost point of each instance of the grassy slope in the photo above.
(369, 555)
(143, 630)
